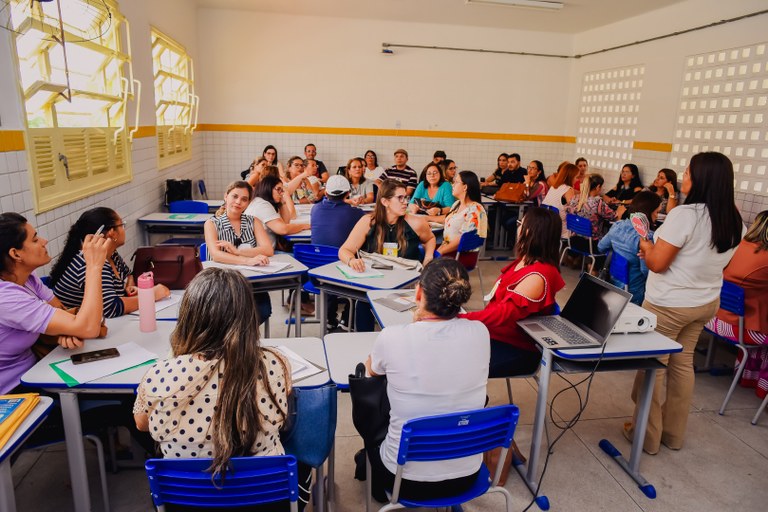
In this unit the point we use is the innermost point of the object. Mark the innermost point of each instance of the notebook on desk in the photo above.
(586, 320)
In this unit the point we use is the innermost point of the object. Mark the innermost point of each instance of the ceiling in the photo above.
(577, 15)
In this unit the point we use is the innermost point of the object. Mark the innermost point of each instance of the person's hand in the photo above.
(258, 260)
(433, 211)
(161, 292)
(610, 200)
(620, 211)
(131, 290)
(669, 188)
(226, 246)
(70, 342)
(427, 259)
(96, 249)
(357, 264)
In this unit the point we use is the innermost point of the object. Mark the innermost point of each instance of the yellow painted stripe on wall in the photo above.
(11, 140)
(144, 131)
(383, 132)
(662, 147)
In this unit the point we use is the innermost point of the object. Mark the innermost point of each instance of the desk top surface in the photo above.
(396, 278)
(295, 268)
(344, 350)
(126, 329)
(27, 427)
(174, 218)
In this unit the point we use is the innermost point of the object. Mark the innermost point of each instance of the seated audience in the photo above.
(373, 170)
(583, 166)
(307, 190)
(388, 230)
(439, 156)
(118, 290)
(494, 180)
(401, 172)
(310, 167)
(628, 185)
(270, 155)
(310, 152)
(361, 187)
(561, 191)
(590, 205)
(436, 365)
(622, 239)
(449, 169)
(526, 287)
(466, 215)
(433, 194)
(665, 185)
(535, 183)
(514, 173)
(749, 269)
(220, 394)
(235, 237)
(273, 206)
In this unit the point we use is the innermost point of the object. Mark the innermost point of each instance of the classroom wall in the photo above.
(144, 193)
(664, 63)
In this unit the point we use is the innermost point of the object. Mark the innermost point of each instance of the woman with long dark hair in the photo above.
(466, 215)
(526, 287)
(373, 170)
(433, 195)
(686, 262)
(628, 185)
(436, 365)
(270, 155)
(665, 185)
(273, 206)
(118, 290)
(535, 182)
(220, 394)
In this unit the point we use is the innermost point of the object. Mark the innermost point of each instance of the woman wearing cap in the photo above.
(361, 188)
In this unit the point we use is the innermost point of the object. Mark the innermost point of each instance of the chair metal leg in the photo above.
(760, 410)
(102, 469)
(509, 389)
(736, 378)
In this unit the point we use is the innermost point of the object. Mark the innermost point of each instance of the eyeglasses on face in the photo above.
(401, 198)
(279, 190)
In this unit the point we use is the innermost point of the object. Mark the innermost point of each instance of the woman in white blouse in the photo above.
(361, 187)
(466, 214)
(372, 168)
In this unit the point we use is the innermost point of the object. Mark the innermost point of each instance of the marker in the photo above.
(98, 231)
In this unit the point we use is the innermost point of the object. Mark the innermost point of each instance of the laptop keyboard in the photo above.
(564, 331)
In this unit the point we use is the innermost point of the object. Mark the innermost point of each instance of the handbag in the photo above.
(177, 190)
(311, 424)
(511, 193)
(173, 265)
(370, 405)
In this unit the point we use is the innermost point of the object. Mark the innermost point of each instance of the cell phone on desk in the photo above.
(382, 266)
(96, 355)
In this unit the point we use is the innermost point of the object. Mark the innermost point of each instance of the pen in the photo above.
(98, 231)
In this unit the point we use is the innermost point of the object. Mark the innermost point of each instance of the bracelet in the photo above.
(672, 197)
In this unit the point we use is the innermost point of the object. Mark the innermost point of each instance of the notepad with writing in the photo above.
(351, 273)
(270, 268)
(399, 301)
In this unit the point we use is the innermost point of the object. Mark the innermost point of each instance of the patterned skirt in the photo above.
(756, 371)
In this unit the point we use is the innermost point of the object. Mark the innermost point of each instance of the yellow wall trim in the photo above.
(11, 140)
(383, 132)
(662, 147)
(144, 131)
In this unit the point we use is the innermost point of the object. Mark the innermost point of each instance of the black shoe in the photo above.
(360, 465)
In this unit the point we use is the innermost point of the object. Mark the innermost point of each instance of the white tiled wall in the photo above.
(226, 154)
(144, 194)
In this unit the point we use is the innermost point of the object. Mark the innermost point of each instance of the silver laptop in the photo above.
(586, 320)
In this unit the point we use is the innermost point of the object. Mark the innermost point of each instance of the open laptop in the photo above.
(586, 320)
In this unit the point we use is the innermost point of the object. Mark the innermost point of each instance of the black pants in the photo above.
(508, 361)
(383, 480)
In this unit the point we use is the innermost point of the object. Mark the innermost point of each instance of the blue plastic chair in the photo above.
(732, 300)
(203, 252)
(619, 269)
(250, 481)
(581, 227)
(452, 436)
(202, 189)
(468, 254)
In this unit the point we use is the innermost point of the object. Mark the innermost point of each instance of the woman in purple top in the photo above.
(28, 308)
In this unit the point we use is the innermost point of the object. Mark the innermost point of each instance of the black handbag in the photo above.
(370, 406)
(177, 190)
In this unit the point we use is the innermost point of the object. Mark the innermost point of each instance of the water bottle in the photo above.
(147, 319)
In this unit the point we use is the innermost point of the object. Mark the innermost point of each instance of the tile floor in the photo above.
(723, 465)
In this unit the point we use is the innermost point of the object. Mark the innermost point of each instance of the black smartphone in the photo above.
(96, 355)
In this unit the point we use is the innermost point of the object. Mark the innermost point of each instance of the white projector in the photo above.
(635, 319)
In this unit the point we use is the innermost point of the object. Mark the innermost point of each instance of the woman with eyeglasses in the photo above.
(433, 195)
(304, 189)
(373, 170)
(234, 237)
(118, 288)
(628, 185)
(535, 182)
(270, 155)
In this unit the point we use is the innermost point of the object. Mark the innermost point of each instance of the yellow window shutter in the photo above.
(41, 154)
(98, 154)
(75, 151)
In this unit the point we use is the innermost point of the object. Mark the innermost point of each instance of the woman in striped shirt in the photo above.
(68, 275)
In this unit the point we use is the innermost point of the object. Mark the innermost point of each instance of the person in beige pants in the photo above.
(686, 262)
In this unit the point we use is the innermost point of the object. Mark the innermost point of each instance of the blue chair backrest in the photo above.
(46, 280)
(315, 255)
(619, 268)
(470, 241)
(451, 436)
(202, 189)
(203, 252)
(188, 207)
(550, 207)
(578, 225)
(732, 298)
(250, 481)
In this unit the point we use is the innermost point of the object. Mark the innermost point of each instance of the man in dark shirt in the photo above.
(332, 220)
(401, 172)
(310, 152)
(514, 173)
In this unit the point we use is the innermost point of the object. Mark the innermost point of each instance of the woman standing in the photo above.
(220, 394)
(686, 262)
(466, 214)
(526, 287)
(236, 238)
(373, 170)
(118, 290)
(421, 384)
(628, 185)
(749, 269)
(433, 195)
(361, 187)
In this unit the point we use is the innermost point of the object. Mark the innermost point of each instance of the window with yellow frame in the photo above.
(75, 79)
(175, 99)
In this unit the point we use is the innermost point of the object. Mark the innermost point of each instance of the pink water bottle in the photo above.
(147, 319)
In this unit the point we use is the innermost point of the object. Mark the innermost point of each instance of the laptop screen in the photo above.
(595, 306)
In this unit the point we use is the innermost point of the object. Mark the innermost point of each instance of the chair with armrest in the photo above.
(581, 228)
(452, 436)
(250, 481)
